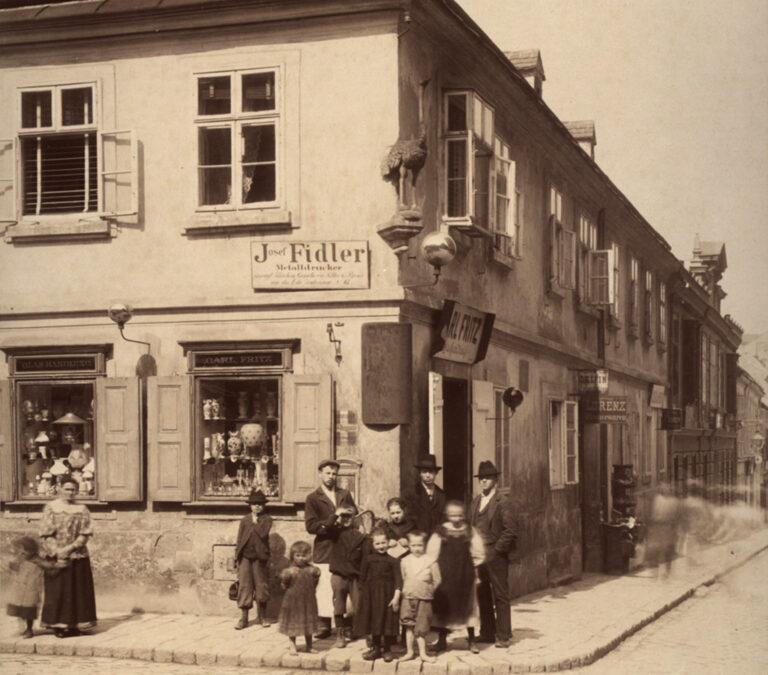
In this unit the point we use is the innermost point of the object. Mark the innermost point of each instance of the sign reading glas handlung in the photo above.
(309, 265)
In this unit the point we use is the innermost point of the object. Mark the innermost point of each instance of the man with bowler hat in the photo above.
(491, 515)
(427, 502)
(252, 560)
(322, 518)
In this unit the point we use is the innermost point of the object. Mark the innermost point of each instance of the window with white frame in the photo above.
(506, 219)
(238, 138)
(634, 294)
(662, 332)
(587, 244)
(616, 305)
(563, 442)
(469, 156)
(562, 274)
(62, 161)
(648, 306)
(502, 438)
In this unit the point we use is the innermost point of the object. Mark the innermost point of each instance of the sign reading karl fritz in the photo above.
(309, 265)
(463, 333)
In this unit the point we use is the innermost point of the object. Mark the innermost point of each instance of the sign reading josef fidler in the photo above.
(309, 265)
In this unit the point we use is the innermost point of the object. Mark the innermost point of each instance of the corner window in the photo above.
(563, 442)
(562, 271)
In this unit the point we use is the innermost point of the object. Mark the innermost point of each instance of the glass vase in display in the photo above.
(242, 404)
(252, 435)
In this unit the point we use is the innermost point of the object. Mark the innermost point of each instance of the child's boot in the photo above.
(373, 653)
(341, 638)
(243, 622)
(263, 615)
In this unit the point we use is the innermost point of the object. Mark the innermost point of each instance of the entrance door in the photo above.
(456, 456)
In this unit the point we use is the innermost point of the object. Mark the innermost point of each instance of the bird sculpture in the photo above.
(405, 155)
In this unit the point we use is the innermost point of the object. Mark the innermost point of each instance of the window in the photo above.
(634, 295)
(502, 438)
(648, 307)
(649, 442)
(633, 434)
(470, 167)
(63, 165)
(238, 139)
(662, 313)
(661, 446)
(562, 246)
(588, 244)
(507, 216)
(563, 429)
(616, 306)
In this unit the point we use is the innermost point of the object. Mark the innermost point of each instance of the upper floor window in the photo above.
(238, 138)
(634, 294)
(587, 244)
(662, 313)
(616, 304)
(562, 273)
(648, 306)
(507, 219)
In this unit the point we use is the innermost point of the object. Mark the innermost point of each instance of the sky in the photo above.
(678, 90)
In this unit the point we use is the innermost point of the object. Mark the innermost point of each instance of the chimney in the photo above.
(528, 63)
(584, 134)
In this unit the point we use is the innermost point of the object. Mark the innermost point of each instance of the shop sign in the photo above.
(671, 418)
(599, 409)
(54, 364)
(309, 265)
(656, 398)
(463, 333)
(238, 360)
(592, 380)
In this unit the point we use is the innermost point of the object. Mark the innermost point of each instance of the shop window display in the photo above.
(238, 436)
(55, 424)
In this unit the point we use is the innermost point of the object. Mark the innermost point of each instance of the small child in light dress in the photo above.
(25, 588)
(298, 612)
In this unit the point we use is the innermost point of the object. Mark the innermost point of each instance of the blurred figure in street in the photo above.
(663, 531)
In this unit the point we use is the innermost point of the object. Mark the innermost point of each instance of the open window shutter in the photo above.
(483, 426)
(568, 276)
(436, 416)
(168, 439)
(7, 181)
(554, 262)
(7, 475)
(118, 439)
(307, 415)
(118, 173)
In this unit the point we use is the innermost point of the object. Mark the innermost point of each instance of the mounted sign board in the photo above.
(387, 387)
(463, 333)
(656, 397)
(592, 380)
(309, 265)
(671, 418)
(599, 409)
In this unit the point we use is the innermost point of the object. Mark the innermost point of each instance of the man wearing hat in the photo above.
(252, 559)
(491, 515)
(427, 502)
(321, 518)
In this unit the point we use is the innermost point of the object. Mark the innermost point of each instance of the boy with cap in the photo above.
(252, 559)
(427, 502)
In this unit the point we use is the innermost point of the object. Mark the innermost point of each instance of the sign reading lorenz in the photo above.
(239, 360)
(47, 364)
(603, 409)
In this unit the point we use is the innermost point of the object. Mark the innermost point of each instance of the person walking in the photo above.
(491, 515)
(427, 501)
(322, 520)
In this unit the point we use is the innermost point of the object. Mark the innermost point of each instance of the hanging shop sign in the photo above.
(656, 396)
(309, 265)
(671, 418)
(592, 380)
(599, 409)
(463, 333)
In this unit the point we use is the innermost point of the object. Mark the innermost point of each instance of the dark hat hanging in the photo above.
(256, 497)
(487, 470)
(428, 463)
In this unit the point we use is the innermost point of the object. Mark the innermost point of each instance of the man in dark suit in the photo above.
(427, 501)
(491, 515)
(321, 518)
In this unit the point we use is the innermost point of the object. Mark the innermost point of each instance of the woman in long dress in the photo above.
(69, 604)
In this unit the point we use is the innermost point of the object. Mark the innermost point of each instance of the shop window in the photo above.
(69, 420)
(563, 441)
(562, 246)
(240, 419)
(63, 168)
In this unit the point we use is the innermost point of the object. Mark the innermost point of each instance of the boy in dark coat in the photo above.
(427, 502)
(252, 560)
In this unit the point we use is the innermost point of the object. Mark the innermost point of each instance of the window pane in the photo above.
(215, 147)
(482, 178)
(213, 95)
(457, 112)
(259, 183)
(59, 174)
(55, 423)
(76, 106)
(259, 143)
(457, 178)
(258, 92)
(237, 437)
(35, 109)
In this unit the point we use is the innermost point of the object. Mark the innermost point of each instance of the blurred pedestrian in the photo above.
(663, 530)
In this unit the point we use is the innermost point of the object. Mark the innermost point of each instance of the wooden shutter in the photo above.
(118, 439)
(7, 181)
(567, 259)
(307, 415)
(7, 474)
(554, 252)
(691, 357)
(483, 424)
(118, 173)
(168, 439)
(436, 416)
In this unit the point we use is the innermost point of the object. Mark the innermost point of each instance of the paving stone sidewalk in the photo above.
(555, 629)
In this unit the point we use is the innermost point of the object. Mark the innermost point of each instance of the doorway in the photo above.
(456, 456)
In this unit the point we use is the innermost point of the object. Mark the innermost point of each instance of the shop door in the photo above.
(456, 455)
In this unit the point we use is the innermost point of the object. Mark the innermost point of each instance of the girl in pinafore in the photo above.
(298, 613)
(459, 550)
(379, 598)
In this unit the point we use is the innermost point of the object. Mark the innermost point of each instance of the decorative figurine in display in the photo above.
(217, 445)
(215, 409)
(29, 410)
(207, 405)
(45, 414)
(207, 449)
(77, 458)
(87, 485)
(44, 484)
(235, 443)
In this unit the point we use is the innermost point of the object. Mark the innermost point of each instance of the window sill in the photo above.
(502, 259)
(587, 309)
(613, 321)
(235, 222)
(468, 227)
(555, 289)
(59, 229)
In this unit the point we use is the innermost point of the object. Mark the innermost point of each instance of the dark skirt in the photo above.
(69, 598)
(28, 613)
(373, 616)
(454, 602)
